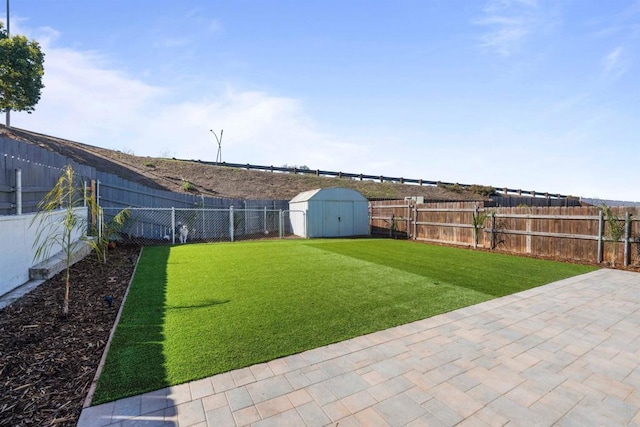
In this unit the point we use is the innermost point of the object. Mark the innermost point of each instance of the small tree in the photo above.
(500, 228)
(616, 230)
(67, 195)
(108, 231)
(478, 225)
(21, 71)
(63, 198)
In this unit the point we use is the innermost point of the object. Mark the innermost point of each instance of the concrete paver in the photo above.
(562, 354)
(238, 398)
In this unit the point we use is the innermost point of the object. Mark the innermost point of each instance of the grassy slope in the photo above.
(219, 307)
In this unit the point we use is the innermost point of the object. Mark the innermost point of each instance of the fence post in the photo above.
(408, 221)
(492, 226)
(392, 225)
(600, 234)
(94, 213)
(173, 225)
(202, 234)
(627, 227)
(266, 230)
(415, 220)
(476, 214)
(18, 191)
(99, 222)
(280, 223)
(231, 227)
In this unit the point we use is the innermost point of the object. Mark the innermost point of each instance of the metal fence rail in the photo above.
(381, 178)
(153, 226)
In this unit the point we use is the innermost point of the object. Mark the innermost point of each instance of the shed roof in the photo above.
(334, 193)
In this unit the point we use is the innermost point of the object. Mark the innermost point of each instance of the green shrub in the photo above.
(187, 186)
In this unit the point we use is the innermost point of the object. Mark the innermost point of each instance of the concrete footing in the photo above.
(44, 270)
(55, 264)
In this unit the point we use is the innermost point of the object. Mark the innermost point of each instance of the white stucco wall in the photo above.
(16, 248)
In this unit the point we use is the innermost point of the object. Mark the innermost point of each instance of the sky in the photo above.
(539, 95)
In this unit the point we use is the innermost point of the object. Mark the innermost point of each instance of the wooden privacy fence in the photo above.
(569, 233)
(391, 217)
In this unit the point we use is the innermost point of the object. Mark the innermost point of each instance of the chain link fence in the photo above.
(154, 226)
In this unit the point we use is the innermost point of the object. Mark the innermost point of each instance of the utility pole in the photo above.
(219, 155)
(8, 119)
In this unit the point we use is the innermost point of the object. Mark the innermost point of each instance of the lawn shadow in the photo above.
(206, 304)
(136, 362)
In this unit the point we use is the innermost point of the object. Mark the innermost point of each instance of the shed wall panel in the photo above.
(332, 212)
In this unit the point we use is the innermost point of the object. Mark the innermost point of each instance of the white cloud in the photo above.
(614, 63)
(509, 23)
(90, 100)
(82, 97)
(86, 99)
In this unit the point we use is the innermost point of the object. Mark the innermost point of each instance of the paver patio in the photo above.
(563, 354)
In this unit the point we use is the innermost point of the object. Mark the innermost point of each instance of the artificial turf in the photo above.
(198, 310)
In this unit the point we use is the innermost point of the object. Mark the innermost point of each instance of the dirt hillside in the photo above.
(221, 181)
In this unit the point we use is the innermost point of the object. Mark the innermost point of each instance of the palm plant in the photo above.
(478, 224)
(58, 222)
(108, 230)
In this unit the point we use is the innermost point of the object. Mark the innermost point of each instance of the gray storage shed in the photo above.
(329, 212)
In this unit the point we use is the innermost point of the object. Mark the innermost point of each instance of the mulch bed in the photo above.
(47, 361)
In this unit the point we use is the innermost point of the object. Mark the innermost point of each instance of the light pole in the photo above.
(7, 122)
(219, 155)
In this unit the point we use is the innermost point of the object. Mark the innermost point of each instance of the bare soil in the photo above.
(47, 361)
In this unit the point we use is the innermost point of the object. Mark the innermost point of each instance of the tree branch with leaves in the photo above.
(21, 71)
(616, 230)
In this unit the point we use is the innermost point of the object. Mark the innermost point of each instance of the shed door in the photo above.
(338, 219)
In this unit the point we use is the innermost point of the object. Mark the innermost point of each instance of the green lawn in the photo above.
(198, 310)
